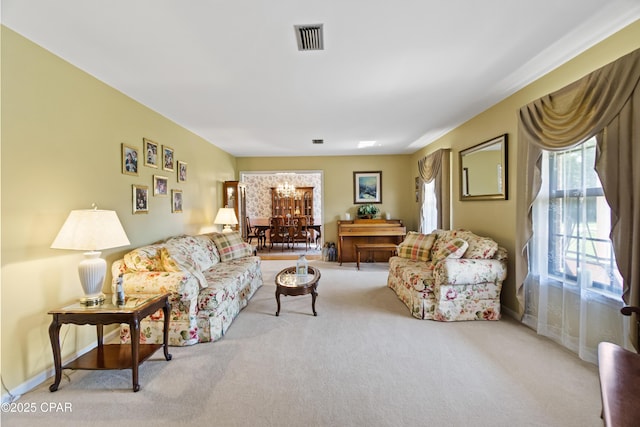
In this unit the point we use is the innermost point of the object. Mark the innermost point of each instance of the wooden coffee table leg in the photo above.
(314, 294)
(278, 300)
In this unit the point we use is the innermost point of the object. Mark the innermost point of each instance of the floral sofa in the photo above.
(449, 275)
(210, 277)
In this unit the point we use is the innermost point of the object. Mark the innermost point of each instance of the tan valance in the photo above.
(429, 166)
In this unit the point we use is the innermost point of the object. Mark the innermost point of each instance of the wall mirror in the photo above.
(483, 170)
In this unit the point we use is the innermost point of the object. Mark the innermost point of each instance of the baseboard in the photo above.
(510, 313)
(15, 393)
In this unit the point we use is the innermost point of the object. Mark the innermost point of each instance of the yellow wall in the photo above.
(338, 184)
(497, 218)
(61, 142)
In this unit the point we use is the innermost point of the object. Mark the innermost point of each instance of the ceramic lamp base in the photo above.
(92, 270)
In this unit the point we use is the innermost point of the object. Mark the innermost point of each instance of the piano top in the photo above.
(371, 228)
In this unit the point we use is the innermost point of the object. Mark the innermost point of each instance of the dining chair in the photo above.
(300, 231)
(257, 233)
(278, 232)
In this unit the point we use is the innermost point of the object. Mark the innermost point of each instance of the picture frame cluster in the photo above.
(154, 155)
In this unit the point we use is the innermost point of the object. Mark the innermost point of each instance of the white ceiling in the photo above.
(400, 73)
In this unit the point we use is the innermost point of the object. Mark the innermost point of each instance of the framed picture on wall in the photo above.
(160, 186)
(150, 153)
(182, 171)
(140, 199)
(176, 201)
(167, 158)
(129, 160)
(367, 187)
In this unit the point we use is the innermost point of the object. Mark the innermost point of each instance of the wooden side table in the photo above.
(110, 356)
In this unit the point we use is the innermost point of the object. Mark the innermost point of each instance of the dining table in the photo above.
(261, 225)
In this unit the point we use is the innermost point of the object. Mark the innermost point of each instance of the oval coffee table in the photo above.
(289, 283)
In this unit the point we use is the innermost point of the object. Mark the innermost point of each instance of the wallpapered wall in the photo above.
(259, 190)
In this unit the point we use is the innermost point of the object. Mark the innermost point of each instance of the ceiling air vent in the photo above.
(317, 141)
(309, 37)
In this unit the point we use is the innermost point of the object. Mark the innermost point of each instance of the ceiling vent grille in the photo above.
(309, 37)
(317, 141)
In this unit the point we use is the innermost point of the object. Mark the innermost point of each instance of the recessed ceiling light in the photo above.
(365, 144)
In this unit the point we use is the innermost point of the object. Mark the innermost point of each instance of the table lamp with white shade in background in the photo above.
(226, 217)
(91, 230)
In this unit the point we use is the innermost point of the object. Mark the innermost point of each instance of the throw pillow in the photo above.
(416, 246)
(145, 258)
(479, 247)
(452, 249)
(231, 246)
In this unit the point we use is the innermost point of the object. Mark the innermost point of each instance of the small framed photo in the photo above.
(150, 153)
(182, 171)
(167, 158)
(160, 186)
(129, 160)
(367, 187)
(176, 201)
(140, 199)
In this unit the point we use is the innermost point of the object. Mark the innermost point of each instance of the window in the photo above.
(579, 249)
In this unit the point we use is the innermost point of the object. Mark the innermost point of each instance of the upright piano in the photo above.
(351, 232)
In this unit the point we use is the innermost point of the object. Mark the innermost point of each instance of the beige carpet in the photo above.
(364, 361)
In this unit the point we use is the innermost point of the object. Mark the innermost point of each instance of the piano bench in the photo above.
(374, 247)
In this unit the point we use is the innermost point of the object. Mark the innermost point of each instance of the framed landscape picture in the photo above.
(150, 153)
(176, 201)
(129, 160)
(367, 187)
(167, 158)
(140, 199)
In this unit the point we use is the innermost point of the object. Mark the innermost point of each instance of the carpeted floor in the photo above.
(363, 361)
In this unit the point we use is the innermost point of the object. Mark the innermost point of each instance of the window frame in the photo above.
(557, 197)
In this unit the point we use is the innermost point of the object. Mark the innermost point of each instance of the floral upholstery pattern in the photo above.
(198, 313)
(146, 258)
(452, 249)
(452, 289)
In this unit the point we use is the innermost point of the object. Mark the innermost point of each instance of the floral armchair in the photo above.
(449, 275)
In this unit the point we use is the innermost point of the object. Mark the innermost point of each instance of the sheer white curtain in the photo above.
(428, 208)
(573, 288)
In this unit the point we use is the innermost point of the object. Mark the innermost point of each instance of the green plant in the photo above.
(369, 209)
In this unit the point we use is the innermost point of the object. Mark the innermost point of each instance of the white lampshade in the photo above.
(227, 217)
(91, 230)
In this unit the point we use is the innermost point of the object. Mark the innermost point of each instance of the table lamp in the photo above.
(91, 230)
(227, 217)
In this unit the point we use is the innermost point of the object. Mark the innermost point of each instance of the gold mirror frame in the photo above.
(483, 170)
